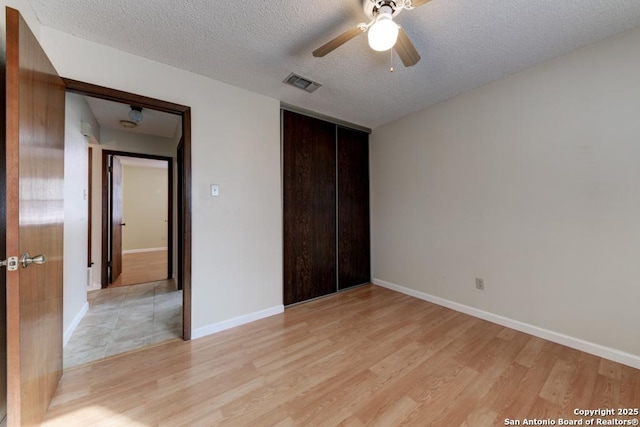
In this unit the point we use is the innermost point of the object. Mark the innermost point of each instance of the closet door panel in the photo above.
(354, 259)
(309, 198)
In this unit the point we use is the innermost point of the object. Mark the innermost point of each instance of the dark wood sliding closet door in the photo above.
(309, 198)
(354, 262)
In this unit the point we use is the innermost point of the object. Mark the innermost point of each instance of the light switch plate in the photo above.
(215, 190)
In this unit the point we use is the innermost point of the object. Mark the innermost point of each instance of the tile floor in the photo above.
(125, 318)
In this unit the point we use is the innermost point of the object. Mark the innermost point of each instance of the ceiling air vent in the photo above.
(301, 82)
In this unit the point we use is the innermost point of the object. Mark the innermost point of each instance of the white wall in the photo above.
(120, 140)
(76, 216)
(237, 249)
(532, 183)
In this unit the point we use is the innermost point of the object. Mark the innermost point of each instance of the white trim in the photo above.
(236, 321)
(139, 251)
(625, 358)
(72, 328)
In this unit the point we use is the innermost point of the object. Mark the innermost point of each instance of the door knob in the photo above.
(25, 260)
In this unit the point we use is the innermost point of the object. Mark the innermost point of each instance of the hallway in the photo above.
(126, 318)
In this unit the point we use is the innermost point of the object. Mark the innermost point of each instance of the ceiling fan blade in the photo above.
(417, 3)
(337, 42)
(406, 50)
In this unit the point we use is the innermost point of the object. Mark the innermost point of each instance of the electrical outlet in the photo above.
(480, 283)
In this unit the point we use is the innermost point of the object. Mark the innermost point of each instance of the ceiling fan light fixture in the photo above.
(383, 34)
(135, 114)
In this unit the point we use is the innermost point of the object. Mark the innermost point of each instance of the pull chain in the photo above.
(391, 60)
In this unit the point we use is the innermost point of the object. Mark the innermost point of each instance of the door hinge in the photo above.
(110, 169)
(11, 263)
(108, 264)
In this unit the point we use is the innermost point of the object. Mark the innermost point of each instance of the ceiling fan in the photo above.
(384, 34)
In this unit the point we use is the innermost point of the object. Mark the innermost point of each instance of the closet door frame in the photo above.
(312, 210)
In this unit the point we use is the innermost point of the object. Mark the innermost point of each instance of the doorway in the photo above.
(138, 225)
(183, 165)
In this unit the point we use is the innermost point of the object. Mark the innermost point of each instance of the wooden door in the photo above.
(115, 203)
(354, 259)
(34, 220)
(309, 203)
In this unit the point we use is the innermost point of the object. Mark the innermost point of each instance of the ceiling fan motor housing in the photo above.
(373, 7)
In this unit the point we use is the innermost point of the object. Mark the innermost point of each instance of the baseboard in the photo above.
(139, 251)
(236, 321)
(579, 344)
(76, 321)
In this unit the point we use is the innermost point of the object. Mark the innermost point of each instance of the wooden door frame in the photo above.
(107, 234)
(180, 195)
(184, 205)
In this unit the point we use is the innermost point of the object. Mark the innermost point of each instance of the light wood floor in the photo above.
(143, 267)
(368, 356)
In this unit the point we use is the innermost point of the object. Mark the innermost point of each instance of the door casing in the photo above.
(107, 236)
(184, 205)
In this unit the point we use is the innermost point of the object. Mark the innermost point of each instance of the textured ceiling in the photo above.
(255, 44)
